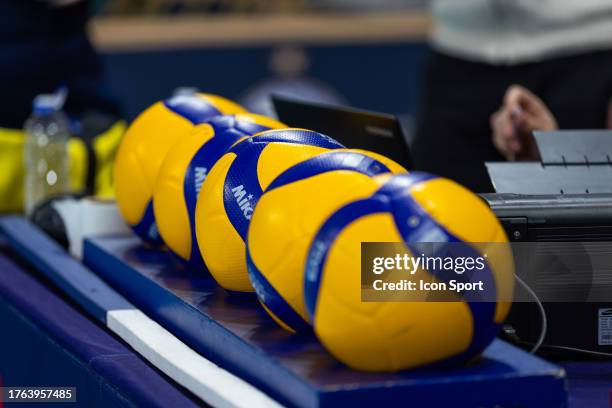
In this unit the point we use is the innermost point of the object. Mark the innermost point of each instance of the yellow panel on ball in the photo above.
(184, 170)
(145, 145)
(396, 335)
(434, 196)
(289, 214)
(233, 187)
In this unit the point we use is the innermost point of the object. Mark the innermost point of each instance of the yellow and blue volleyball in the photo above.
(231, 191)
(389, 336)
(144, 147)
(184, 170)
(289, 214)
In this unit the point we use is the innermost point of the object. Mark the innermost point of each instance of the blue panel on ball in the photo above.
(198, 169)
(146, 228)
(299, 136)
(192, 107)
(330, 161)
(323, 241)
(273, 300)
(241, 189)
(422, 228)
(227, 131)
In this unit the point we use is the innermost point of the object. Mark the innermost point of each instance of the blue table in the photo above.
(234, 332)
(47, 341)
(589, 382)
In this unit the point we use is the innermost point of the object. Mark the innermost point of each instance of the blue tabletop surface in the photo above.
(590, 383)
(235, 332)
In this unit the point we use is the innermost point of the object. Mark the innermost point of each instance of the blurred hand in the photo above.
(521, 113)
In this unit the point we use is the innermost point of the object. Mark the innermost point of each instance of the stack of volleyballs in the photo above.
(282, 212)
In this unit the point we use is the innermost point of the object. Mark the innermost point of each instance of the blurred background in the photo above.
(108, 60)
(446, 68)
(368, 54)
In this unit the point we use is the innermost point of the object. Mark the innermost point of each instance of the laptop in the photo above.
(354, 128)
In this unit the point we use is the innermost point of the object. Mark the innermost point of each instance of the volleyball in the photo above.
(289, 214)
(144, 147)
(395, 335)
(184, 170)
(231, 191)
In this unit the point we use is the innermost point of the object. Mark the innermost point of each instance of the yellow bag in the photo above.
(86, 172)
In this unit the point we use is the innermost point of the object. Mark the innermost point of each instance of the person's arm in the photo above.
(521, 113)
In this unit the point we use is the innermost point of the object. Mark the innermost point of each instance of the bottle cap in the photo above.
(47, 104)
(44, 104)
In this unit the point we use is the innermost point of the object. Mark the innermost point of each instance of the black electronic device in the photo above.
(561, 208)
(355, 128)
(567, 263)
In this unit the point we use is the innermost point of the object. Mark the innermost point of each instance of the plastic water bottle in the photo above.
(46, 150)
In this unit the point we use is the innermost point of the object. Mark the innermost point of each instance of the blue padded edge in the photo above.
(201, 332)
(57, 333)
(78, 282)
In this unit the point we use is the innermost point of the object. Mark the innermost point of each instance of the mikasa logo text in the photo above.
(200, 176)
(243, 201)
